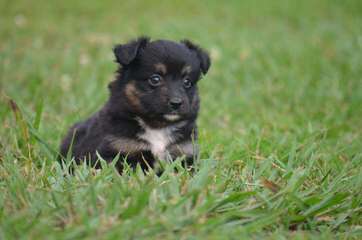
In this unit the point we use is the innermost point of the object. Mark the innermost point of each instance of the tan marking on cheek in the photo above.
(163, 89)
(164, 93)
(132, 95)
(195, 101)
(160, 67)
(186, 69)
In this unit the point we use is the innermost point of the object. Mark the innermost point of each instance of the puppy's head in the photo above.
(159, 79)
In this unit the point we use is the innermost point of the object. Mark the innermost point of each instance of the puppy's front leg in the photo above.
(188, 149)
(133, 151)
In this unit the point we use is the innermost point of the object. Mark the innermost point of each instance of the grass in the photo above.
(280, 125)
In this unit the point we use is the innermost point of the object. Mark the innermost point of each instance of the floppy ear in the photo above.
(202, 55)
(126, 53)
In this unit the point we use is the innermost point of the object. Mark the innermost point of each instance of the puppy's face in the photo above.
(160, 78)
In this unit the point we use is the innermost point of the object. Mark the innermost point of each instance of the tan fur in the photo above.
(164, 93)
(133, 95)
(186, 70)
(125, 145)
(195, 101)
(185, 148)
(160, 67)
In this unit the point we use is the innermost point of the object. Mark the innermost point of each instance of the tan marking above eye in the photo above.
(161, 68)
(186, 70)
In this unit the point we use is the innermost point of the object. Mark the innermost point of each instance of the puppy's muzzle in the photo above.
(175, 103)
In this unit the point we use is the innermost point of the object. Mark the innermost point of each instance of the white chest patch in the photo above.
(158, 138)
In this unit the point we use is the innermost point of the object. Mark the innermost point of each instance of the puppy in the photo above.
(152, 109)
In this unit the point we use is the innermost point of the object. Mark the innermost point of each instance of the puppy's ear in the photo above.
(126, 53)
(202, 55)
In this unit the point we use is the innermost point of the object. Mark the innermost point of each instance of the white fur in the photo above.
(159, 138)
(171, 117)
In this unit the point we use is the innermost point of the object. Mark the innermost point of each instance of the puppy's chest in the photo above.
(158, 139)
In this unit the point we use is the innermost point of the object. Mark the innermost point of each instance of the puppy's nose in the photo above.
(175, 103)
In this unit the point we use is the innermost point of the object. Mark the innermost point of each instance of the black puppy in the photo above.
(152, 110)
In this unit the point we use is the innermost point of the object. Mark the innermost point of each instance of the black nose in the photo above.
(175, 103)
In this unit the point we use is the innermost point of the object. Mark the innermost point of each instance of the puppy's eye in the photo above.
(187, 83)
(154, 80)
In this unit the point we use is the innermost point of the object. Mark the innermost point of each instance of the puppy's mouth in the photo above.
(172, 117)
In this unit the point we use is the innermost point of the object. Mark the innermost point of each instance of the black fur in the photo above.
(134, 100)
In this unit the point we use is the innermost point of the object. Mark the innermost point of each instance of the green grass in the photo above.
(280, 125)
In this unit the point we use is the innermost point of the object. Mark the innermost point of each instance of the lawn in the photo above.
(280, 121)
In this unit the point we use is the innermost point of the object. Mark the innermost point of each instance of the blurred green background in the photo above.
(284, 88)
(280, 64)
